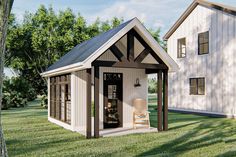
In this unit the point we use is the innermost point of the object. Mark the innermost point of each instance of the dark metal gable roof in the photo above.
(82, 51)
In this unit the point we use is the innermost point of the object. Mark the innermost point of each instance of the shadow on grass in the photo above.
(174, 118)
(227, 154)
(205, 132)
(42, 145)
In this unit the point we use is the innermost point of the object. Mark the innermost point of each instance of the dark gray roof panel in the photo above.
(82, 51)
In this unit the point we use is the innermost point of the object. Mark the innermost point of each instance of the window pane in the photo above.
(206, 37)
(205, 48)
(201, 86)
(201, 38)
(201, 49)
(181, 48)
(193, 91)
(201, 90)
(193, 86)
(193, 82)
(201, 82)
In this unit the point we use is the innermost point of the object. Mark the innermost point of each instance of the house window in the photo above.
(197, 86)
(203, 43)
(181, 48)
(60, 98)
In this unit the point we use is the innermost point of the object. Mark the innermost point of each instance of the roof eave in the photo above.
(192, 6)
(195, 3)
(172, 65)
(63, 70)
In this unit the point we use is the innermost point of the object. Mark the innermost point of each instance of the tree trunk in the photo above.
(5, 8)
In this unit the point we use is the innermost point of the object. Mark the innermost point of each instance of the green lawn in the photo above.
(28, 133)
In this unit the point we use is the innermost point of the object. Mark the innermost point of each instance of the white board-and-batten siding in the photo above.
(129, 93)
(80, 95)
(218, 67)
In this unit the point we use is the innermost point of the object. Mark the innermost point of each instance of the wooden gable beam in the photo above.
(142, 55)
(130, 45)
(129, 65)
(117, 53)
(141, 40)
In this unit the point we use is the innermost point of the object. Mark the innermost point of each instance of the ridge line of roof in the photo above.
(191, 7)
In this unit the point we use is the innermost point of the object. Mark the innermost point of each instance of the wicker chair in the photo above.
(140, 113)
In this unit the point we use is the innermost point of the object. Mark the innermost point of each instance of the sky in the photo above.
(153, 13)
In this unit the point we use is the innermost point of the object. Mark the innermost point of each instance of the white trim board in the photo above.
(60, 123)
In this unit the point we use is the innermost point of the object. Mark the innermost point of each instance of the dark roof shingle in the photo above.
(82, 51)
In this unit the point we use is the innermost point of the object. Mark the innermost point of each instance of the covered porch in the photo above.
(147, 61)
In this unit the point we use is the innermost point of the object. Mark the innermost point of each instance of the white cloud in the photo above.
(153, 13)
(128, 9)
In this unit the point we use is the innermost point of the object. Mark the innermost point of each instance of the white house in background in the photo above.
(117, 64)
(10, 72)
(203, 43)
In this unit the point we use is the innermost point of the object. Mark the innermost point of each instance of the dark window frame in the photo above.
(197, 86)
(180, 54)
(203, 43)
(59, 84)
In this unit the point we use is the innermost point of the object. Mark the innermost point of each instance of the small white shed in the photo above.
(109, 71)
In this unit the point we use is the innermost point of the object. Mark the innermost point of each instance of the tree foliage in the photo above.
(157, 37)
(152, 85)
(44, 36)
(16, 92)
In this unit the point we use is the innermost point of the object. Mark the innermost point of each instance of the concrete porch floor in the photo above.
(125, 131)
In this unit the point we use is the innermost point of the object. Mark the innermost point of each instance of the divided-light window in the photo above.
(203, 43)
(181, 48)
(60, 98)
(197, 86)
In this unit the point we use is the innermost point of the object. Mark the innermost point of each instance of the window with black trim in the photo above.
(60, 98)
(181, 48)
(203, 43)
(197, 86)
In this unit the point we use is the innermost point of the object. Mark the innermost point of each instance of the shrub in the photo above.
(6, 101)
(13, 99)
(44, 101)
(16, 92)
(20, 85)
(152, 86)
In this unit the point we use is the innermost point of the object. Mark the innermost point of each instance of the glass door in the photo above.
(112, 100)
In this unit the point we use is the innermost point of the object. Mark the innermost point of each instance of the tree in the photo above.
(5, 8)
(156, 36)
(43, 37)
(152, 85)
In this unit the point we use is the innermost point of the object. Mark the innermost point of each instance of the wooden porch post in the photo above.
(165, 101)
(88, 120)
(96, 101)
(159, 105)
